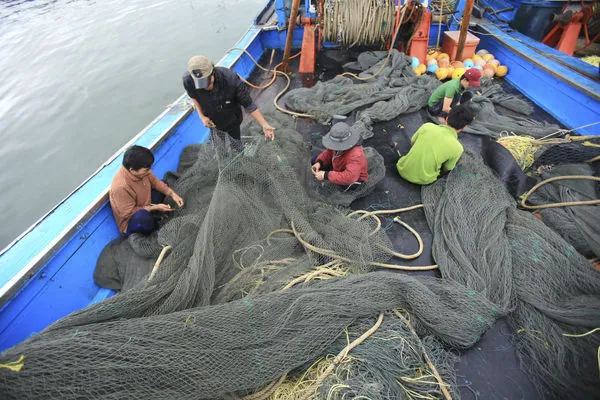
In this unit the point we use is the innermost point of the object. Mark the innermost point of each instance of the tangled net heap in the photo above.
(234, 310)
(393, 90)
(491, 123)
(529, 272)
(214, 321)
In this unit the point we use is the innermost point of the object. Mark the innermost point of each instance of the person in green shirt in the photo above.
(435, 148)
(449, 94)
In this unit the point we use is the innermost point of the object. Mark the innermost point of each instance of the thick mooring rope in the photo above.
(358, 22)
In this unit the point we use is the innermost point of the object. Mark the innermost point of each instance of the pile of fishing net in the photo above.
(388, 86)
(233, 349)
(490, 122)
(572, 168)
(241, 299)
(264, 290)
(529, 272)
(580, 224)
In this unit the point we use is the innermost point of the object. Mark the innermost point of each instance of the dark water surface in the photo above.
(79, 78)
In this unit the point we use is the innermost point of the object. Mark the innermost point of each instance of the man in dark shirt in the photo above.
(218, 94)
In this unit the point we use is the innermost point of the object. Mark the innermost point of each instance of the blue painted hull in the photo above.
(570, 94)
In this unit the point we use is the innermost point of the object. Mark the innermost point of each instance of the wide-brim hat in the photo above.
(200, 69)
(341, 137)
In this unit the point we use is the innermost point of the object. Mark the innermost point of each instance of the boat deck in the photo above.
(491, 368)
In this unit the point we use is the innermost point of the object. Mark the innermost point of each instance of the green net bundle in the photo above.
(547, 288)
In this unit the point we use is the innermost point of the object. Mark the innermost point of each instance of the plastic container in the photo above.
(534, 18)
(450, 44)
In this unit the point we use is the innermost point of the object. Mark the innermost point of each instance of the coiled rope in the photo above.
(358, 22)
(564, 204)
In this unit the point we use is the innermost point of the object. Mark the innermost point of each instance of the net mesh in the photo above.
(529, 272)
(267, 282)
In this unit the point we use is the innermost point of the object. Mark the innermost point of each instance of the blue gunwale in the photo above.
(47, 272)
(573, 99)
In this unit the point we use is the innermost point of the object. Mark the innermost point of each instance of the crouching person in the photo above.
(435, 148)
(343, 162)
(136, 194)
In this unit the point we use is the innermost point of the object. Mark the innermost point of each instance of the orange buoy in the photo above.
(501, 71)
(493, 67)
(494, 61)
(489, 71)
(457, 64)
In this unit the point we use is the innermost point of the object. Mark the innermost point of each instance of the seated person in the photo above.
(343, 162)
(135, 189)
(435, 148)
(449, 94)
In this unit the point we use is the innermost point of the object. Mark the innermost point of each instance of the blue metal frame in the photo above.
(283, 9)
(570, 97)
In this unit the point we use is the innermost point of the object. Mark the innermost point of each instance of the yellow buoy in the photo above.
(501, 71)
(432, 54)
(488, 57)
(476, 57)
(441, 73)
(417, 71)
(422, 68)
(458, 72)
(442, 56)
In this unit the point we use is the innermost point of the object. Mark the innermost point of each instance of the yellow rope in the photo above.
(158, 261)
(563, 204)
(14, 365)
(267, 391)
(434, 370)
(404, 8)
(332, 254)
(585, 334)
(340, 357)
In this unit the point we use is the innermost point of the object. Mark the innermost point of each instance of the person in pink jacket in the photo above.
(343, 162)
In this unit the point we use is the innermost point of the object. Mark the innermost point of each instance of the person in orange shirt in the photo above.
(136, 194)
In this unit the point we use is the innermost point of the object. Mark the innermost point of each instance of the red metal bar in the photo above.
(308, 56)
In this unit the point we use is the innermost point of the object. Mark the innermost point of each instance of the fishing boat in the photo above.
(47, 272)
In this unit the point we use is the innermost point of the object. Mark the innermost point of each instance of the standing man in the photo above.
(136, 192)
(449, 94)
(435, 148)
(218, 95)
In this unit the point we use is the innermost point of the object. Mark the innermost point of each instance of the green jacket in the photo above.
(433, 147)
(447, 90)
